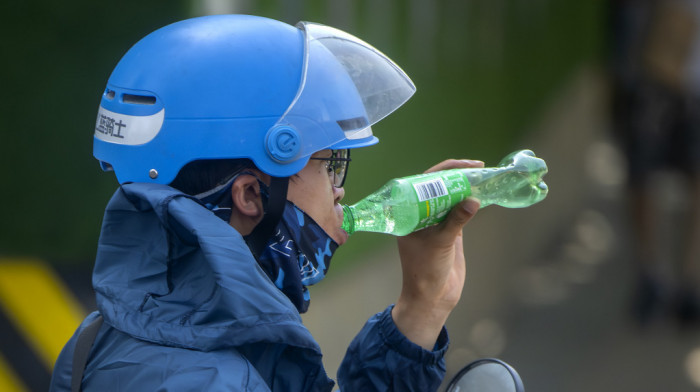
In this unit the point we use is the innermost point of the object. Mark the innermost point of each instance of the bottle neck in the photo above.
(348, 219)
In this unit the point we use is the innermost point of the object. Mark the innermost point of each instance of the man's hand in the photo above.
(433, 266)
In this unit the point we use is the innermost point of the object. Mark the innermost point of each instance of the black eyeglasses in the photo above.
(337, 165)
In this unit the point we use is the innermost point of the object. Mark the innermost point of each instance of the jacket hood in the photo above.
(169, 271)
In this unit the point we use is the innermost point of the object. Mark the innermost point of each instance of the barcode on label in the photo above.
(430, 189)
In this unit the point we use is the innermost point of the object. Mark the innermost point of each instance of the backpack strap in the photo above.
(82, 351)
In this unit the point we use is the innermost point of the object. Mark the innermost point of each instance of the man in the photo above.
(231, 136)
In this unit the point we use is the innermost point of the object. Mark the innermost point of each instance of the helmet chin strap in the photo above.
(273, 209)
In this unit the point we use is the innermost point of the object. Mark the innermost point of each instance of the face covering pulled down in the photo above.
(296, 256)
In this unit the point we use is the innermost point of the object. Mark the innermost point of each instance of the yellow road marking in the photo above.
(9, 382)
(39, 304)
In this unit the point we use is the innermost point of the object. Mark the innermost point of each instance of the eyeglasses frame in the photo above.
(331, 168)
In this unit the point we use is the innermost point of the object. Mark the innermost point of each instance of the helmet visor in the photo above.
(347, 86)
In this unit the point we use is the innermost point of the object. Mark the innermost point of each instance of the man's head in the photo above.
(206, 93)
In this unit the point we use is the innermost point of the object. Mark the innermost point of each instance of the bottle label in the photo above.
(437, 193)
(430, 189)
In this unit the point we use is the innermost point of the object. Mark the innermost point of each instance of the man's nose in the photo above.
(338, 194)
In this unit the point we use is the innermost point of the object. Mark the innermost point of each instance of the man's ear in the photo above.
(247, 208)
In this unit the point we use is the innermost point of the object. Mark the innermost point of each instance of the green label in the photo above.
(437, 193)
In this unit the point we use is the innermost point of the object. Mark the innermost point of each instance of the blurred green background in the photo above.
(483, 69)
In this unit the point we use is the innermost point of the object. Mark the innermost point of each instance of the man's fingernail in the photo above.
(472, 206)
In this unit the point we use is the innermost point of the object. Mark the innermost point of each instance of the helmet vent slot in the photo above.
(110, 94)
(139, 99)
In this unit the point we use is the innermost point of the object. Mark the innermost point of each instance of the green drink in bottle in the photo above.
(407, 204)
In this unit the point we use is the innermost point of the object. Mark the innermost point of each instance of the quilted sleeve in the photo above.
(381, 358)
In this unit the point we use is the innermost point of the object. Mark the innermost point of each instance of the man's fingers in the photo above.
(455, 164)
(461, 214)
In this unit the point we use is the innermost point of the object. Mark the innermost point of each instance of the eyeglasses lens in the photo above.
(340, 166)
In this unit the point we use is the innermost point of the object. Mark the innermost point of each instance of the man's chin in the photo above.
(341, 236)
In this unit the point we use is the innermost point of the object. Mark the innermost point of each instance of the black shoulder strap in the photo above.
(82, 352)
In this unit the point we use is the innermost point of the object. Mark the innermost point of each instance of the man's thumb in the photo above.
(461, 214)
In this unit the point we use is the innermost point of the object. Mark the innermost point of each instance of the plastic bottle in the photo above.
(407, 204)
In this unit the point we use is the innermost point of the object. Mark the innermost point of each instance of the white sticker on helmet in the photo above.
(126, 129)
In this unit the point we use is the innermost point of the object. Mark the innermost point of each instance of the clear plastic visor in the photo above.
(347, 86)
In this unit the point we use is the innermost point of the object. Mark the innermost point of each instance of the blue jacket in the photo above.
(186, 307)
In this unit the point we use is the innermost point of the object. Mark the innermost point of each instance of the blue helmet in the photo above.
(239, 86)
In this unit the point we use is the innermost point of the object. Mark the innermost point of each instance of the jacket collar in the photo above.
(169, 271)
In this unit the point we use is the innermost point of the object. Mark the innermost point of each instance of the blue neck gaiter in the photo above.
(297, 256)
